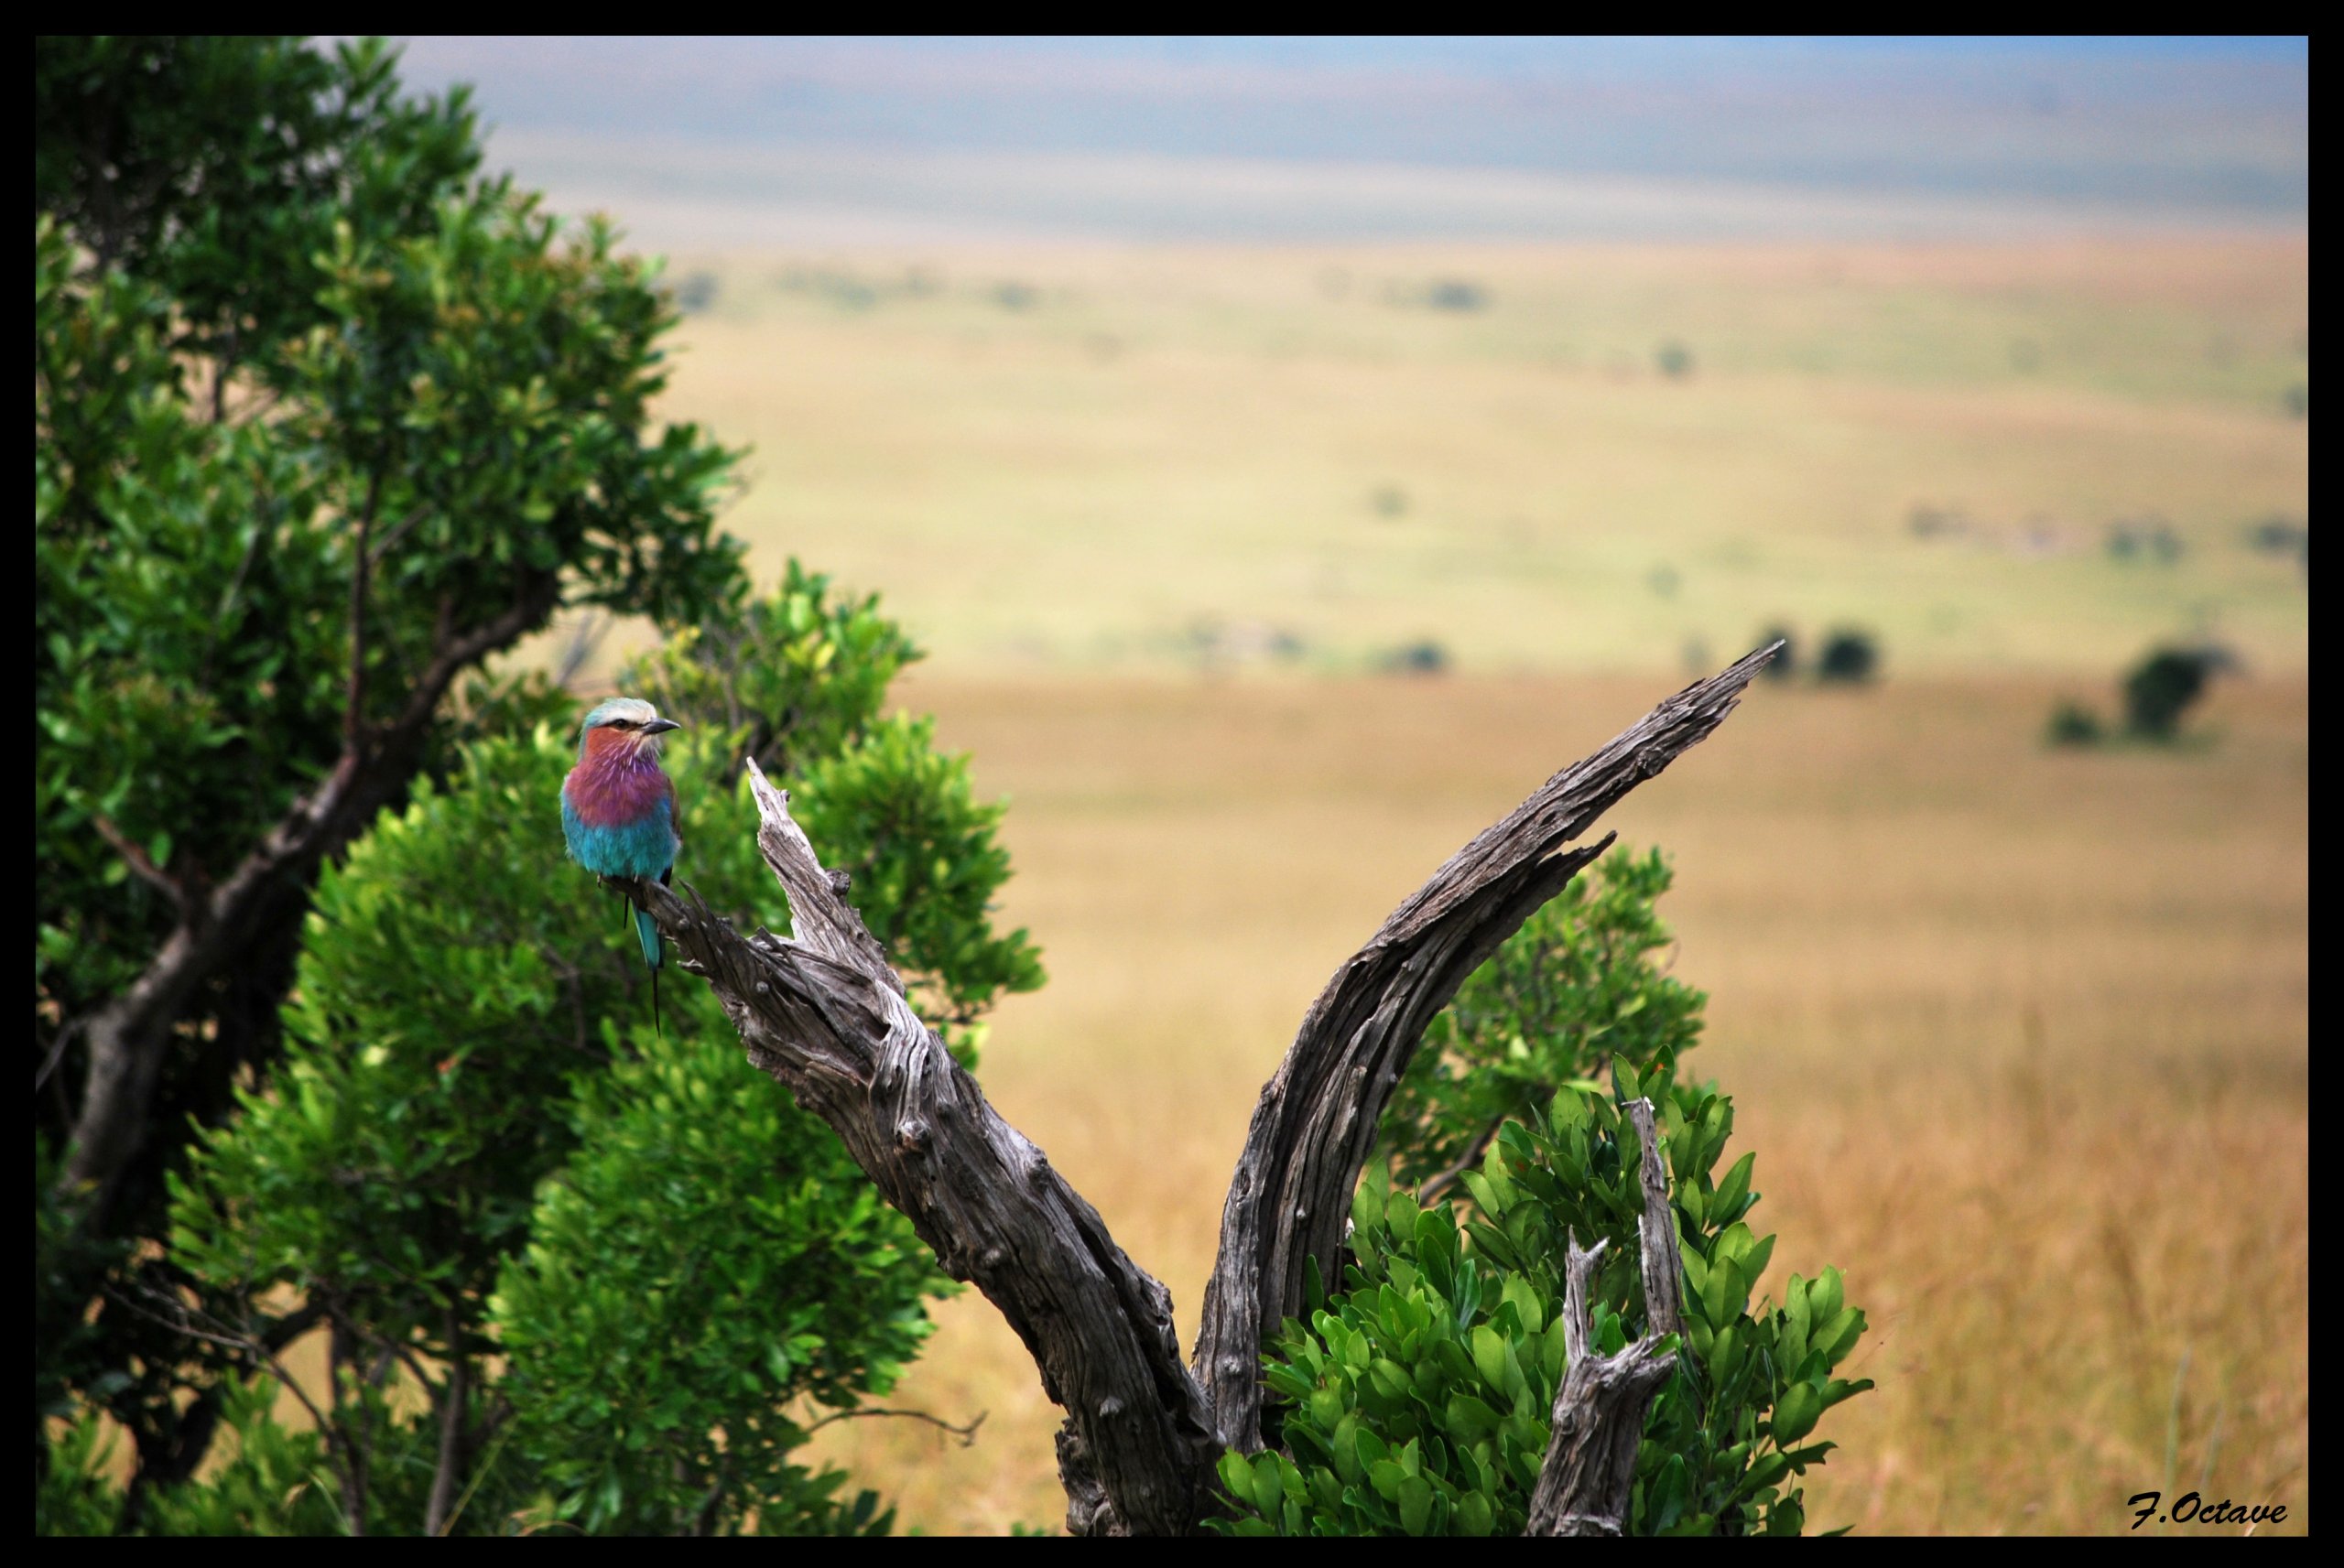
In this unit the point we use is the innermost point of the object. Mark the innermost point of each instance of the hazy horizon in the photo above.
(711, 142)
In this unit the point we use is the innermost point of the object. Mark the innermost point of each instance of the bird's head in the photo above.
(623, 724)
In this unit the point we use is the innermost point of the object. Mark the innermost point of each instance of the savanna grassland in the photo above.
(1110, 459)
(2020, 1035)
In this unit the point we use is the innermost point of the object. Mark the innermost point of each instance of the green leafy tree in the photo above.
(323, 421)
(623, 1275)
(1419, 1395)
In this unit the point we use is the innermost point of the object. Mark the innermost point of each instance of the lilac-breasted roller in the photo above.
(618, 807)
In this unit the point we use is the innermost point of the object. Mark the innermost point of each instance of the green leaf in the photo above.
(1754, 1262)
(1764, 1472)
(1415, 1505)
(1665, 1499)
(1490, 1357)
(1721, 1293)
(1237, 1477)
(1735, 1187)
(1796, 1413)
(1840, 1389)
(1470, 1416)
(1346, 1443)
(1723, 1354)
(1553, 1350)
(1468, 1294)
(1839, 1335)
(1517, 1293)
(1486, 1194)
(1269, 1486)
(1823, 1296)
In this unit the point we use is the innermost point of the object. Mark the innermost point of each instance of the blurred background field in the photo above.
(2016, 456)
(1166, 449)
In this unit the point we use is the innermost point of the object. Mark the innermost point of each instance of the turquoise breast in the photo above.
(644, 847)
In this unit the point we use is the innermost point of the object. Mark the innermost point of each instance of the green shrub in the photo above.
(653, 1269)
(1417, 1397)
(2072, 724)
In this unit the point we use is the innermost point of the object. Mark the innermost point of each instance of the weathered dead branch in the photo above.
(1590, 1464)
(1316, 1122)
(825, 1015)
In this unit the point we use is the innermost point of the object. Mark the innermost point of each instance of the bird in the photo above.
(618, 808)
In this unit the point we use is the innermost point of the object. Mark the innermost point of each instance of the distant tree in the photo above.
(1424, 658)
(1848, 656)
(1457, 294)
(2163, 687)
(1672, 359)
(1785, 663)
(2072, 724)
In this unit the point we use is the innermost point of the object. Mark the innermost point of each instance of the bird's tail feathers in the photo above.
(650, 936)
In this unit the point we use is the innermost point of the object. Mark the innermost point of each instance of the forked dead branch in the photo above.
(825, 1014)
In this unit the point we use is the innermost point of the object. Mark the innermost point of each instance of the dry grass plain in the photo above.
(1105, 457)
(2020, 1038)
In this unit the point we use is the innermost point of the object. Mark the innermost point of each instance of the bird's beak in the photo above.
(660, 726)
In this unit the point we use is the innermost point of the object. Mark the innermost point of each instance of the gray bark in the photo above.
(824, 1014)
(1590, 1464)
(1316, 1120)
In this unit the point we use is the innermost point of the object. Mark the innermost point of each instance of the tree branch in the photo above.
(141, 863)
(1591, 1464)
(967, 1435)
(826, 1016)
(453, 1394)
(1290, 1198)
(183, 1319)
(1468, 1161)
(354, 718)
